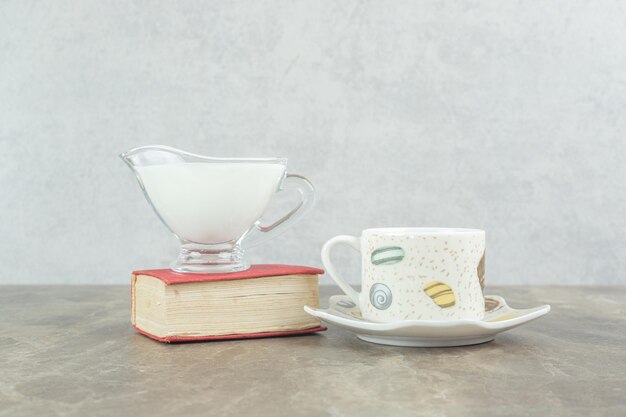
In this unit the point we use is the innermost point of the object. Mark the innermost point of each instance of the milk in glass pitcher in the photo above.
(214, 204)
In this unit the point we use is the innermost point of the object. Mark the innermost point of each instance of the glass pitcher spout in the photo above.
(214, 205)
(161, 154)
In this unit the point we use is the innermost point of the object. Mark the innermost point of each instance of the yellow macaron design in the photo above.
(440, 293)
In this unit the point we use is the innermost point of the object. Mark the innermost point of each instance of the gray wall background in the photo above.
(502, 115)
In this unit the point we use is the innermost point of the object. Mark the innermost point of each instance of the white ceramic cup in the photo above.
(413, 273)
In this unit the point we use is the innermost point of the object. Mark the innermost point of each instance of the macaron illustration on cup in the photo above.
(412, 273)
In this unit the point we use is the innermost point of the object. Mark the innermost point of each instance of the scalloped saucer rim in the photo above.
(499, 317)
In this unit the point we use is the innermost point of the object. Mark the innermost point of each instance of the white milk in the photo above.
(214, 202)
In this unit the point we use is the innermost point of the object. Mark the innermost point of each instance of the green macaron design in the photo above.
(387, 255)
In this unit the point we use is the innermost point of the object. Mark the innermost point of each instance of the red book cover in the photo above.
(170, 277)
(182, 339)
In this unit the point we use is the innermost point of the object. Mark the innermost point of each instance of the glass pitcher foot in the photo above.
(209, 259)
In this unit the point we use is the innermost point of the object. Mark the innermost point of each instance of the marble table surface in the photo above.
(70, 350)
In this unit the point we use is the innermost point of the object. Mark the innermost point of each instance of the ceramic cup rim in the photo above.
(421, 231)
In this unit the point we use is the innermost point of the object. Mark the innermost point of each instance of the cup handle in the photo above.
(259, 234)
(353, 242)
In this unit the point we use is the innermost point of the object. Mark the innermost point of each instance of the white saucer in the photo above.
(499, 317)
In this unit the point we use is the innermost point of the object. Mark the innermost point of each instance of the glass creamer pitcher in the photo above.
(214, 204)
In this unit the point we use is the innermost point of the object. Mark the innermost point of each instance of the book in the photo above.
(263, 301)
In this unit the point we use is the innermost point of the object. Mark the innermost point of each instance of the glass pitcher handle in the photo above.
(259, 234)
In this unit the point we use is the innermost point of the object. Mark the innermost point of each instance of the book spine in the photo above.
(133, 309)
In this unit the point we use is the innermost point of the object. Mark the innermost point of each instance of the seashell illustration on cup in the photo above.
(387, 255)
(440, 293)
(380, 296)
